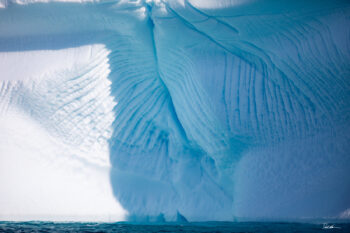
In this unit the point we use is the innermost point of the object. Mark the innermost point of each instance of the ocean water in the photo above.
(171, 227)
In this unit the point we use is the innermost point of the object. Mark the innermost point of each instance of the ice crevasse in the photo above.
(174, 110)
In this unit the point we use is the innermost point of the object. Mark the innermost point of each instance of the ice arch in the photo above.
(207, 110)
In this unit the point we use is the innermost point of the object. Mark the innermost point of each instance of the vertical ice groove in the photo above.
(155, 49)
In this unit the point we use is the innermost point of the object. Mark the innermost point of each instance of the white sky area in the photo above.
(43, 174)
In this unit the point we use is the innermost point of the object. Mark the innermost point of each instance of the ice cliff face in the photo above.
(173, 110)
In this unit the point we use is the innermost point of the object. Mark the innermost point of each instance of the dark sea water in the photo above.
(186, 227)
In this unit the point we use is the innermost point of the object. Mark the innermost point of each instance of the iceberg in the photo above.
(183, 110)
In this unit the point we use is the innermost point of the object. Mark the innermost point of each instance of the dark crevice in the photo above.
(165, 87)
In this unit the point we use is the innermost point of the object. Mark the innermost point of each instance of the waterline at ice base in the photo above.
(174, 110)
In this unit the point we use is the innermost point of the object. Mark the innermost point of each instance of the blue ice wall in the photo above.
(225, 110)
(246, 113)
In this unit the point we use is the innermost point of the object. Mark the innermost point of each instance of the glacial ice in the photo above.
(174, 110)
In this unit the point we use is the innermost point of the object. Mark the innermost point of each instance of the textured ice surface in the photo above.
(174, 110)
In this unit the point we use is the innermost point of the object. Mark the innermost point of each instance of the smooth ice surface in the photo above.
(174, 110)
